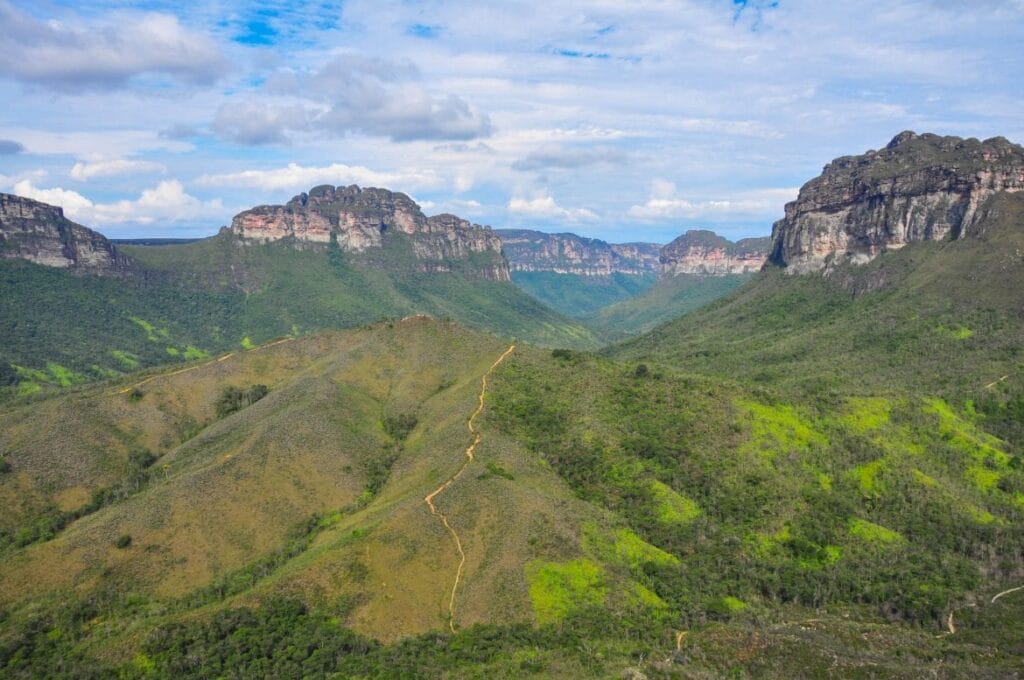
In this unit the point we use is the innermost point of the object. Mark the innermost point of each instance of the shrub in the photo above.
(399, 426)
(4, 465)
(233, 399)
(122, 541)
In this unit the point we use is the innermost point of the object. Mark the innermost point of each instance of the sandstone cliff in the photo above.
(40, 233)
(531, 251)
(363, 220)
(705, 253)
(918, 188)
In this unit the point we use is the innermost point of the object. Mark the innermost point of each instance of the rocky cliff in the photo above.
(705, 253)
(40, 233)
(531, 251)
(363, 220)
(918, 188)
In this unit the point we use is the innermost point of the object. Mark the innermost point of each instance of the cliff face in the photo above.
(360, 220)
(705, 253)
(40, 233)
(918, 188)
(532, 251)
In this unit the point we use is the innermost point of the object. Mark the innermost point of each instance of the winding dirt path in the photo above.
(192, 368)
(451, 480)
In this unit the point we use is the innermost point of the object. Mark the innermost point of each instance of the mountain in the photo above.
(358, 220)
(923, 312)
(40, 233)
(333, 258)
(533, 251)
(705, 253)
(918, 188)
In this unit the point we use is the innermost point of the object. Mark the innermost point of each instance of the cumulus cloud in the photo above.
(567, 158)
(665, 204)
(9, 147)
(84, 172)
(353, 94)
(89, 56)
(545, 207)
(166, 202)
(297, 177)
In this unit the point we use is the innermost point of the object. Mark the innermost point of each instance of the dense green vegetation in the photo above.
(576, 295)
(213, 295)
(669, 298)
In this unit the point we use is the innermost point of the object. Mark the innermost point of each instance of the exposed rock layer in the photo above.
(40, 233)
(361, 220)
(918, 188)
(705, 253)
(533, 251)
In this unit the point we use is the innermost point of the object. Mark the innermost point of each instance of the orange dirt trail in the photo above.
(451, 480)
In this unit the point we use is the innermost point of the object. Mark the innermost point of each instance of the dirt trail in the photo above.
(192, 368)
(451, 480)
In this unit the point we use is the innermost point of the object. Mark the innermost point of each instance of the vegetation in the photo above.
(233, 399)
(579, 296)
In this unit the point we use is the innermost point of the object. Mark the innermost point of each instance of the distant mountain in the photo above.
(537, 251)
(918, 188)
(40, 233)
(705, 253)
(74, 307)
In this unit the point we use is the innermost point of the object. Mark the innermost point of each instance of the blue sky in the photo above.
(622, 121)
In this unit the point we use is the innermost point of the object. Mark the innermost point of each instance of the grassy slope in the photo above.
(576, 295)
(612, 504)
(667, 299)
(63, 329)
(943, 317)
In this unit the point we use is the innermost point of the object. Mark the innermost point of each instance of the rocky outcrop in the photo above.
(363, 220)
(918, 188)
(532, 251)
(40, 233)
(705, 253)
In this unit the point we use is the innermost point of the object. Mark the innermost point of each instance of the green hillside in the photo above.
(615, 515)
(193, 300)
(943, 317)
(577, 295)
(668, 299)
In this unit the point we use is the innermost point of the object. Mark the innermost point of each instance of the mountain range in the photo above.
(816, 474)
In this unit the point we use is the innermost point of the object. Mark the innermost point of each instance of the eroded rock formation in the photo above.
(531, 251)
(705, 253)
(40, 233)
(361, 220)
(918, 188)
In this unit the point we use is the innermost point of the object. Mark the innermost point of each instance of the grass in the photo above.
(559, 588)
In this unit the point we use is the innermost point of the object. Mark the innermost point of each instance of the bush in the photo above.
(399, 426)
(233, 399)
(122, 541)
(4, 465)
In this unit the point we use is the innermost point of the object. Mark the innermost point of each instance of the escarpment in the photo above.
(360, 220)
(536, 251)
(705, 253)
(39, 232)
(918, 188)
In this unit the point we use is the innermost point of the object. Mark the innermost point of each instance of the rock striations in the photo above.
(40, 233)
(534, 251)
(361, 220)
(918, 188)
(705, 253)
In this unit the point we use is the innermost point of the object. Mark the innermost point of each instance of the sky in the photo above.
(626, 121)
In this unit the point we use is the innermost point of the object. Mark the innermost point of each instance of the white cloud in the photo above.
(166, 202)
(297, 177)
(664, 204)
(84, 172)
(84, 55)
(546, 207)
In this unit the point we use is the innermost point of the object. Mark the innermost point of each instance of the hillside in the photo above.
(163, 303)
(607, 508)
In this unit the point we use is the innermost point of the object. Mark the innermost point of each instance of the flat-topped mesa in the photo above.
(536, 251)
(39, 232)
(918, 188)
(359, 219)
(704, 253)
